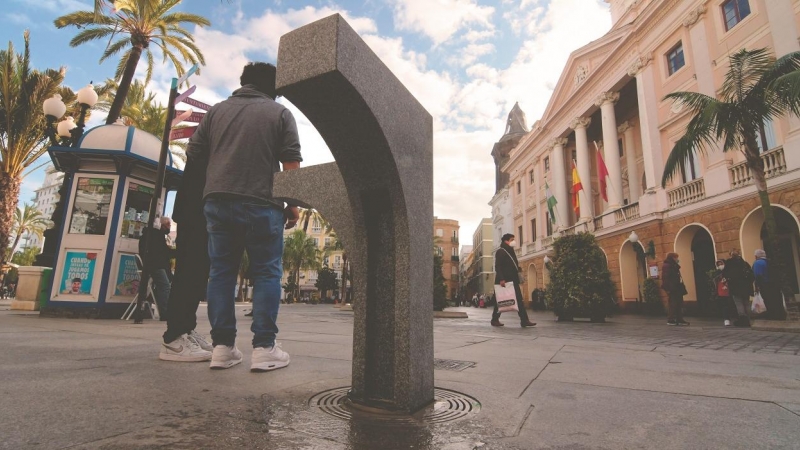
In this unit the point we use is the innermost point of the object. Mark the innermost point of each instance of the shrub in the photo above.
(580, 283)
(652, 297)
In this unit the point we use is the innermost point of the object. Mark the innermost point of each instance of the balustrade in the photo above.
(689, 193)
(774, 164)
(628, 212)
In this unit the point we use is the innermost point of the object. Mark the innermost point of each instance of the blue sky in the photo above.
(467, 61)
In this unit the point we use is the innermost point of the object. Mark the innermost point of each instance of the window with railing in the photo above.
(766, 142)
(546, 164)
(316, 227)
(533, 230)
(548, 223)
(734, 11)
(530, 177)
(691, 169)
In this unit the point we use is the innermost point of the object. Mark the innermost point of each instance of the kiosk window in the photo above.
(91, 206)
(137, 210)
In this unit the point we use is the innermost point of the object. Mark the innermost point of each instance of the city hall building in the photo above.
(609, 98)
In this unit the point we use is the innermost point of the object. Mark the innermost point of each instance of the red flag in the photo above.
(602, 173)
(576, 187)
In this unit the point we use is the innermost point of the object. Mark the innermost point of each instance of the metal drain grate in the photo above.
(452, 364)
(448, 406)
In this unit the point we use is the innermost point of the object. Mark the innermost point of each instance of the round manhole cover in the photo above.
(448, 406)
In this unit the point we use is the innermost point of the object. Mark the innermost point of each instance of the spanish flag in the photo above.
(576, 187)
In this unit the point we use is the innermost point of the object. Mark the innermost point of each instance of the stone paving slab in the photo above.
(632, 383)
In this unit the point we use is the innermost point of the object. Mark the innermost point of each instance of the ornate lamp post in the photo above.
(70, 133)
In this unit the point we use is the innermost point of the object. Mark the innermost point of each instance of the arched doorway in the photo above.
(631, 270)
(696, 251)
(530, 277)
(753, 233)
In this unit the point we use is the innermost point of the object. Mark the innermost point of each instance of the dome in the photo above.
(122, 138)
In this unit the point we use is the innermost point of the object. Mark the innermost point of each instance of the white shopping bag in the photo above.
(506, 297)
(758, 304)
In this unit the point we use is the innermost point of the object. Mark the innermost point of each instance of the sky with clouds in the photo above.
(467, 61)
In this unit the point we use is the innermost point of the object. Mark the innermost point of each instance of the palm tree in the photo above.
(27, 220)
(138, 23)
(335, 246)
(307, 214)
(300, 252)
(756, 89)
(22, 124)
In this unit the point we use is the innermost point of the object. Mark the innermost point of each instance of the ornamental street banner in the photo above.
(78, 273)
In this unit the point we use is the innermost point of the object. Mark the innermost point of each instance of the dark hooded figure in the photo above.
(672, 283)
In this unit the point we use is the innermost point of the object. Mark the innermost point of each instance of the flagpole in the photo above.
(597, 148)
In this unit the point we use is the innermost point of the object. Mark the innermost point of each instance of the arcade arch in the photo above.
(631, 270)
(753, 232)
(697, 253)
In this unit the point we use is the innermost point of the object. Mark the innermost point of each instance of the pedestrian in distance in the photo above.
(740, 285)
(507, 270)
(722, 293)
(768, 287)
(245, 140)
(156, 255)
(672, 283)
(181, 341)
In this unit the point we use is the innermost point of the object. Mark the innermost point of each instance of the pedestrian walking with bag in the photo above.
(507, 271)
(672, 283)
(740, 285)
(768, 287)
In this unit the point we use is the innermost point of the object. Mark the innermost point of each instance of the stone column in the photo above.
(634, 186)
(606, 102)
(584, 168)
(560, 182)
(537, 185)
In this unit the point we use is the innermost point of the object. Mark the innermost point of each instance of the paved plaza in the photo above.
(630, 383)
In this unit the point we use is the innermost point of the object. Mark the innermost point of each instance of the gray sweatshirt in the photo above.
(243, 139)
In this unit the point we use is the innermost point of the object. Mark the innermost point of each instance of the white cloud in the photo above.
(471, 53)
(19, 19)
(58, 6)
(441, 19)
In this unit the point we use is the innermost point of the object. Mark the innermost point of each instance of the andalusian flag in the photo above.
(551, 202)
(576, 187)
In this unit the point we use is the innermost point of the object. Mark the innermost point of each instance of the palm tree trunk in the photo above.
(344, 277)
(9, 196)
(124, 85)
(10, 254)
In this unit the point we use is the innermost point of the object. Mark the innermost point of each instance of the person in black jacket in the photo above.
(507, 270)
(672, 283)
(157, 259)
(740, 285)
(181, 341)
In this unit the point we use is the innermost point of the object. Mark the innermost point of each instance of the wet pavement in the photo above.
(629, 383)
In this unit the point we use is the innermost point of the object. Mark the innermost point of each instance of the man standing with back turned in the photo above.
(243, 139)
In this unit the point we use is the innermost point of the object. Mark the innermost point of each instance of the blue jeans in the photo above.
(233, 226)
(161, 287)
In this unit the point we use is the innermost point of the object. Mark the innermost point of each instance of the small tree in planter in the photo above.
(652, 297)
(580, 283)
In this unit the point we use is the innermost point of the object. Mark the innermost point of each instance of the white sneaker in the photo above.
(200, 340)
(183, 349)
(266, 359)
(727, 323)
(224, 357)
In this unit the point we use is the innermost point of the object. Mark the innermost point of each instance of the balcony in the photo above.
(547, 241)
(530, 248)
(454, 240)
(774, 165)
(687, 194)
(518, 251)
(627, 212)
(598, 223)
(454, 258)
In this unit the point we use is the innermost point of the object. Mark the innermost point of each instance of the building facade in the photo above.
(445, 240)
(45, 200)
(610, 99)
(480, 272)
(335, 259)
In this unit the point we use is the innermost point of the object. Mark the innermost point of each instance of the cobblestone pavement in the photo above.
(636, 330)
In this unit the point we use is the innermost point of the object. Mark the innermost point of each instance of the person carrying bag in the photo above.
(507, 273)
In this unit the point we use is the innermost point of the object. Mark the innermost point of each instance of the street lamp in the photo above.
(53, 109)
(547, 259)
